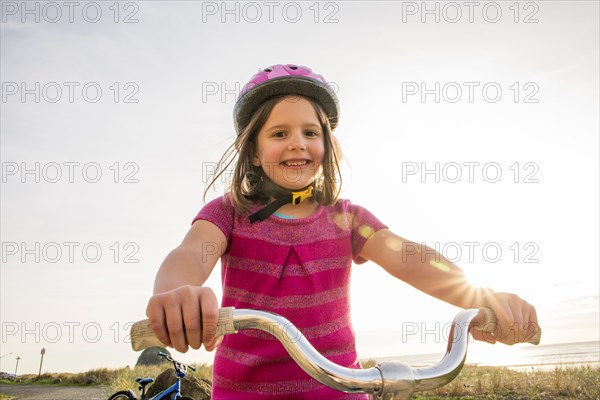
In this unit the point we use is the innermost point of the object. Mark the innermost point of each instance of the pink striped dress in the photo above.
(298, 268)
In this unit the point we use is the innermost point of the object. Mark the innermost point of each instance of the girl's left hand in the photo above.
(517, 319)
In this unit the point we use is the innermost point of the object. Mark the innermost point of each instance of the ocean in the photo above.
(519, 357)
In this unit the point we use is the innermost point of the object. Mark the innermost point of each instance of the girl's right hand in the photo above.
(185, 316)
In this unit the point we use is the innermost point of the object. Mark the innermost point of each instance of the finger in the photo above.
(523, 316)
(191, 323)
(484, 336)
(176, 328)
(214, 344)
(522, 322)
(210, 315)
(532, 324)
(156, 314)
(508, 331)
(505, 317)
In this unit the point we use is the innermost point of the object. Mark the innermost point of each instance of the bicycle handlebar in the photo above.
(387, 380)
(179, 366)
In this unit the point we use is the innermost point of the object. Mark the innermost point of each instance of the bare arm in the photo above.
(430, 272)
(192, 262)
(182, 312)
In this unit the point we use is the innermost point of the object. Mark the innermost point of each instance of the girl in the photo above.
(286, 244)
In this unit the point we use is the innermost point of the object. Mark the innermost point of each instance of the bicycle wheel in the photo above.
(122, 395)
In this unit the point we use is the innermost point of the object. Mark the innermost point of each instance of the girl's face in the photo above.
(290, 145)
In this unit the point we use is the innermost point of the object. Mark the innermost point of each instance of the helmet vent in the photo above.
(293, 67)
(267, 70)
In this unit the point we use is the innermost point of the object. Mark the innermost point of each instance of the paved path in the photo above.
(49, 392)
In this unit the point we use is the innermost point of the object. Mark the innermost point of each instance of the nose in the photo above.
(297, 142)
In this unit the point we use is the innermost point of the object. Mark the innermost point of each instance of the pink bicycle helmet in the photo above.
(285, 79)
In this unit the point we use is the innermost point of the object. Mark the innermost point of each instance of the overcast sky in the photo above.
(472, 128)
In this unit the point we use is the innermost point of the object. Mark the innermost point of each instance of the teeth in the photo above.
(295, 163)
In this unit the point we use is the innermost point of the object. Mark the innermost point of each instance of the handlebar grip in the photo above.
(487, 322)
(142, 335)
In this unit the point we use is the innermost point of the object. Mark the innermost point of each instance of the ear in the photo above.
(256, 157)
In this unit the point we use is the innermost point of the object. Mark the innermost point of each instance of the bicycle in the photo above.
(172, 392)
(391, 380)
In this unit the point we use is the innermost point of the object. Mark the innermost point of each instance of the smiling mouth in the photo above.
(295, 163)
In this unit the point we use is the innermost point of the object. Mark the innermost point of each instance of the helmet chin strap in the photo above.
(282, 197)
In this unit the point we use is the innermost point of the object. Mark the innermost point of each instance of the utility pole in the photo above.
(41, 361)
(17, 366)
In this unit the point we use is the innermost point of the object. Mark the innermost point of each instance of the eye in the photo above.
(311, 133)
(279, 134)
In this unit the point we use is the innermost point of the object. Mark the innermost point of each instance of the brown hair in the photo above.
(245, 183)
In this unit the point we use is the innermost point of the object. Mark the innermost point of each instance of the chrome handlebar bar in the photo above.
(392, 380)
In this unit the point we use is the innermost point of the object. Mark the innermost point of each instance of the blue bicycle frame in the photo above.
(174, 388)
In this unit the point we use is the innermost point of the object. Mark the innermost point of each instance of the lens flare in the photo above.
(439, 265)
(366, 231)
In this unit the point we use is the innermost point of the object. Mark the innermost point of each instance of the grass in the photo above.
(489, 383)
(493, 383)
(124, 378)
(117, 379)
(92, 377)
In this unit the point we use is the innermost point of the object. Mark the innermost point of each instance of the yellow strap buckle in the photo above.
(299, 197)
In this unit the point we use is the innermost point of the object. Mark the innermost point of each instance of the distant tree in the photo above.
(150, 356)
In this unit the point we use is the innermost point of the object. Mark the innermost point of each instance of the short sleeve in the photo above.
(220, 212)
(364, 225)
